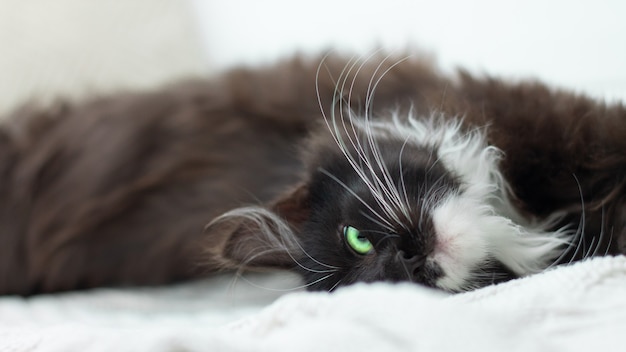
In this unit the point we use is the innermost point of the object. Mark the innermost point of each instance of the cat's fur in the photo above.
(458, 181)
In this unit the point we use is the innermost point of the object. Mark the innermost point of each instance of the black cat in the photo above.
(343, 170)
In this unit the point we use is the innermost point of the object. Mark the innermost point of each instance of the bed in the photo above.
(580, 307)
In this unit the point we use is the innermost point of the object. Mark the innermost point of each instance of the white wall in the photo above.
(50, 49)
(577, 44)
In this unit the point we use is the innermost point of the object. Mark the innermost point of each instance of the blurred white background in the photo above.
(76, 47)
(51, 48)
(576, 44)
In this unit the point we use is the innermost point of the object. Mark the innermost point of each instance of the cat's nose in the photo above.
(411, 262)
(418, 268)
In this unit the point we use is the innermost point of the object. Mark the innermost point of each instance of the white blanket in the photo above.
(577, 308)
(581, 307)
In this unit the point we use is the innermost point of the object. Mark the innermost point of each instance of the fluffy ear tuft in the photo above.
(260, 237)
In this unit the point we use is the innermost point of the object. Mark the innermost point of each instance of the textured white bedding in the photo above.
(71, 48)
(581, 307)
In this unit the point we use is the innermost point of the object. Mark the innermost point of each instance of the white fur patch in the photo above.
(461, 244)
(478, 223)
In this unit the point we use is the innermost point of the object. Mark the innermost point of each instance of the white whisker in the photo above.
(377, 222)
(273, 231)
(382, 188)
(595, 252)
(315, 260)
(335, 285)
(389, 187)
(581, 225)
(250, 282)
(357, 146)
(356, 196)
(608, 246)
(402, 182)
(587, 254)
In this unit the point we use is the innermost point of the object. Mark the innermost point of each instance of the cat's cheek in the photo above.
(460, 245)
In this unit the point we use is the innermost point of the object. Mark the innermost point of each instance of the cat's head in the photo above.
(396, 199)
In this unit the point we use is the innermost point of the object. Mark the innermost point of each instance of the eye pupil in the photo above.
(357, 241)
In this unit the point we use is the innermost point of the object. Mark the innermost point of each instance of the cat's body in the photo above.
(118, 190)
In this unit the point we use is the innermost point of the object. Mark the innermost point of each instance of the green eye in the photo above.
(356, 241)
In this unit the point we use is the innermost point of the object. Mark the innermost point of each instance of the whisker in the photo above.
(250, 282)
(402, 182)
(430, 197)
(608, 247)
(276, 235)
(355, 195)
(587, 254)
(579, 233)
(315, 260)
(317, 90)
(375, 184)
(377, 222)
(330, 270)
(581, 223)
(272, 250)
(373, 90)
(595, 252)
(390, 188)
(337, 137)
(406, 271)
(387, 235)
(385, 184)
(365, 61)
(335, 285)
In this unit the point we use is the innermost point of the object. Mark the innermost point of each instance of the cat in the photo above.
(343, 170)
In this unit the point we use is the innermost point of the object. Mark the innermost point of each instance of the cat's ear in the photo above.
(264, 237)
(294, 206)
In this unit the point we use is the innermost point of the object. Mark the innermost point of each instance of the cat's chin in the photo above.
(487, 273)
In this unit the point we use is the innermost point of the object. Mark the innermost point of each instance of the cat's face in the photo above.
(411, 200)
(383, 208)
(374, 224)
